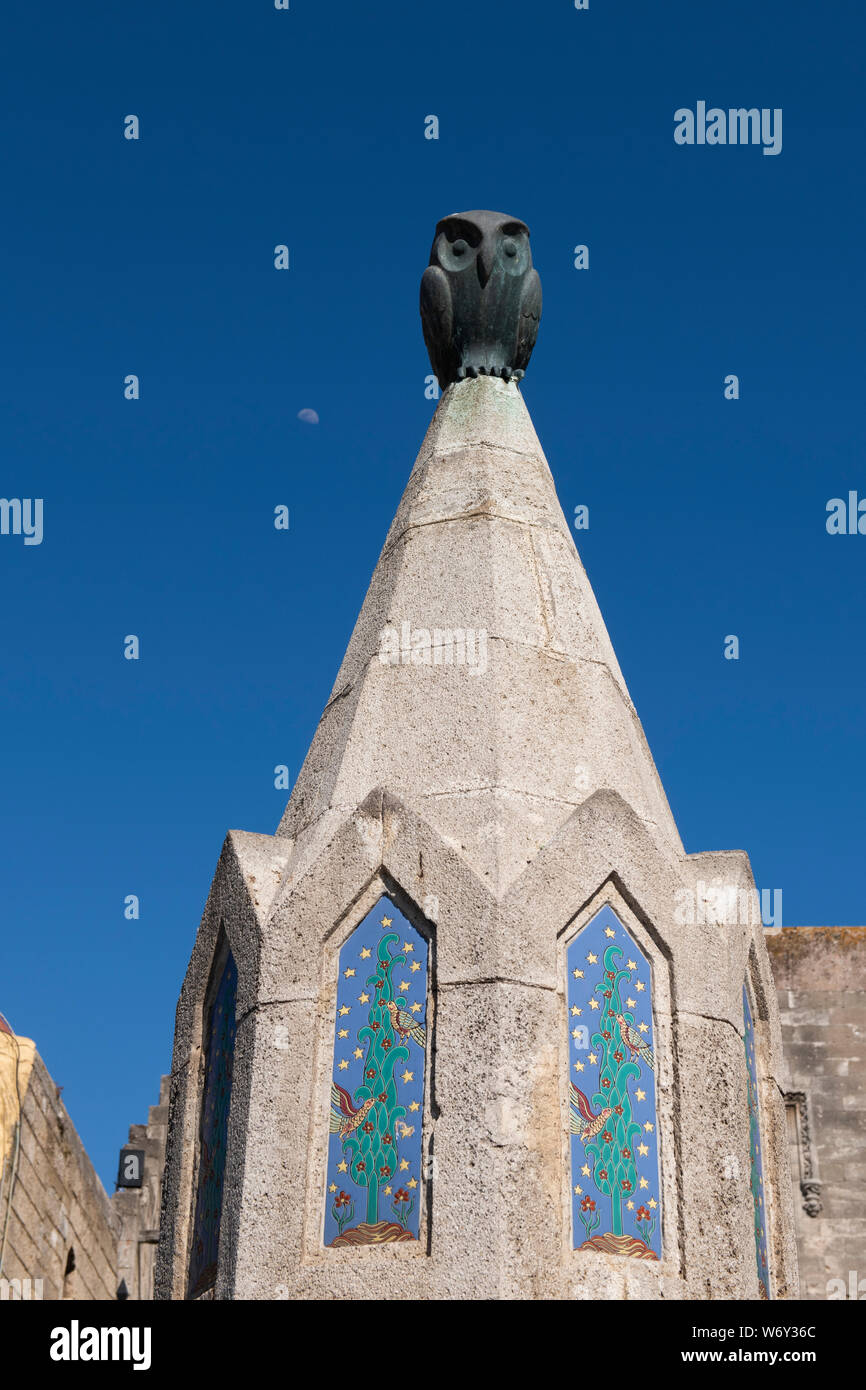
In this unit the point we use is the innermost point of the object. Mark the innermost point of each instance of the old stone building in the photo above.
(820, 976)
(61, 1235)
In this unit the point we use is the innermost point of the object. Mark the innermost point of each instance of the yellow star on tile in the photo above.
(343, 1167)
(404, 1164)
(365, 954)
(641, 1095)
(631, 1003)
(578, 974)
(415, 1008)
(592, 1059)
(333, 1187)
(648, 1127)
(575, 1033)
(593, 1003)
(642, 1150)
(652, 1203)
(575, 1009)
(578, 1066)
(345, 1009)
(387, 1191)
(413, 1182)
(643, 1028)
(632, 965)
(638, 985)
(407, 946)
(593, 960)
(609, 931)
(404, 985)
(408, 1076)
(343, 1064)
(585, 1171)
(348, 973)
(343, 1033)
(358, 1052)
(630, 1206)
(363, 998)
(643, 1183)
(416, 965)
(578, 1191)
(414, 1105)
(386, 921)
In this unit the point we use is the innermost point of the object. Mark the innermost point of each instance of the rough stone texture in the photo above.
(501, 810)
(59, 1207)
(137, 1208)
(820, 974)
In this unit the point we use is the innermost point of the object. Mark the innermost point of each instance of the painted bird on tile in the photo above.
(635, 1042)
(405, 1023)
(585, 1123)
(345, 1117)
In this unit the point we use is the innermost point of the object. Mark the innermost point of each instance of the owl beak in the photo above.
(484, 262)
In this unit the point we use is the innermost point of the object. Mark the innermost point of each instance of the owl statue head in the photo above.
(480, 297)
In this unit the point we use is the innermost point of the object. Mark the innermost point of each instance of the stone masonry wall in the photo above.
(820, 975)
(61, 1228)
(137, 1208)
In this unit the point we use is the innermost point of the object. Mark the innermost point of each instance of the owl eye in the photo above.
(509, 247)
(460, 246)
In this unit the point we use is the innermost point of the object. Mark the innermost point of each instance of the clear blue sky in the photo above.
(155, 257)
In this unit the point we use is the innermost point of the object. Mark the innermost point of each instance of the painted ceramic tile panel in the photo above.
(755, 1158)
(377, 1088)
(616, 1197)
(216, 1098)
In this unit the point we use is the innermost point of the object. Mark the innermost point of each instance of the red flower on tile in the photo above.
(626, 1185)
(604, 1033)
(384, 1171)
(587, 1204)
(606, 1137)
(361, 1167)
(607, 993)
(387, 1138)
(609, 975)
(626, 1153)
(369, 1127)
(605, 1081)
(401, 1195)
(383, 1098)
(602, 1173)
(386, 1043)
(617, 1110)
(375, 1027)
(342, 1200)
(617, 1056)
(370, 1073)
(643, 1214)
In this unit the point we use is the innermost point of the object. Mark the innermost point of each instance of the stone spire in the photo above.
(495, 740)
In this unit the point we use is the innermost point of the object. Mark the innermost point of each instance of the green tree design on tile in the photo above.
(612, 1151)
(372, 1147)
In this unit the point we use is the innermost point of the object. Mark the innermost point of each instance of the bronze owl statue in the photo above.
(480, 297)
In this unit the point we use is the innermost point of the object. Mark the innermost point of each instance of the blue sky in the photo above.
(155, 257)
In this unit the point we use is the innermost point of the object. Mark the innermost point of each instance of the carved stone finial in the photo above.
(480, 297)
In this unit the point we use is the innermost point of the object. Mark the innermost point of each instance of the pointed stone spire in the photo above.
(480, 685)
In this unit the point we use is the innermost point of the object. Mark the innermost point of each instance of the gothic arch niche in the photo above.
(376, 1121)
(218, 1042)
(760, 1214)
(617, 1070)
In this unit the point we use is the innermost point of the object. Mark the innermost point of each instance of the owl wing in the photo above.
(437, 320)
(528, 320)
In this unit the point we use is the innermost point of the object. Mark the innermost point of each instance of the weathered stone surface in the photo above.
(821, 977)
